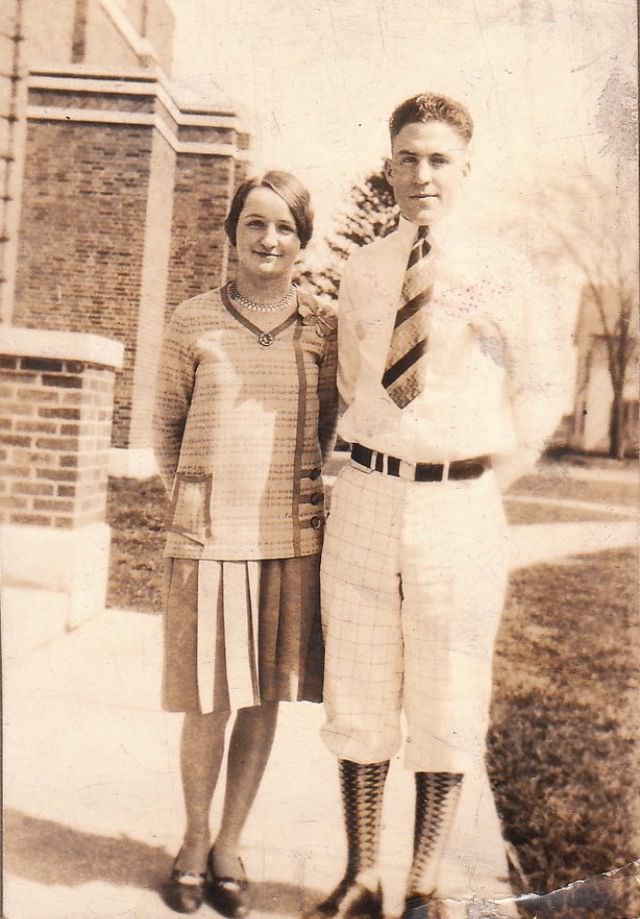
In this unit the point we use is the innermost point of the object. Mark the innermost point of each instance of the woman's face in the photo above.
(267, 240)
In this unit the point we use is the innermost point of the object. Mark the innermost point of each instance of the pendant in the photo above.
(265, 339)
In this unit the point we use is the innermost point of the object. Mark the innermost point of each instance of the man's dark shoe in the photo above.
(351, 899)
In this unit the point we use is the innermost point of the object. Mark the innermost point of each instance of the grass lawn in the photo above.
(553, 485)
(563, 748)
(136, 512)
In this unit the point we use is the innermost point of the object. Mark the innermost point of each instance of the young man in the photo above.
(450, 374)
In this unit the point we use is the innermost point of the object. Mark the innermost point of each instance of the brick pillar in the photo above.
(123, 199)
(56, 406)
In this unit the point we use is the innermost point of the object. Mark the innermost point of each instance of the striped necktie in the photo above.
(404, 370)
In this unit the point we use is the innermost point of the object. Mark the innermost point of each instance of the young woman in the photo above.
(245, 415)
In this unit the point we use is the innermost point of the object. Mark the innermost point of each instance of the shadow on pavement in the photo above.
(51, 853)
(47, 852)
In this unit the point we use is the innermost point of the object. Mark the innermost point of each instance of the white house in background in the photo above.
(594, 391)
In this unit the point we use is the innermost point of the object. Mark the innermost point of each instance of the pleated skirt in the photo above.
(239, 633)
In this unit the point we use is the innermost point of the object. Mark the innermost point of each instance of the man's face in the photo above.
(428, 165)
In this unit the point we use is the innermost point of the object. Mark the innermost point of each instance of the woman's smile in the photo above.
(267, 240)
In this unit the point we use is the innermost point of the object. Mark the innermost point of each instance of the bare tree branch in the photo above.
(593, 226)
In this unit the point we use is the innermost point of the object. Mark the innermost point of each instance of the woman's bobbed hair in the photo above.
(292, 192)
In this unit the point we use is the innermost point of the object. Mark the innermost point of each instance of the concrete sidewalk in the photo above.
(93, 800)
(93, 808)
(538, 543)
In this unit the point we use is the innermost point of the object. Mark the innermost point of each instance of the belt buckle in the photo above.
(362, 466)
(445, 471)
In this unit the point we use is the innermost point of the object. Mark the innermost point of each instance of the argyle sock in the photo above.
(362, 787)
(437, 795)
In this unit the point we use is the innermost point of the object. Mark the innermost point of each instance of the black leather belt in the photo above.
(420, 472)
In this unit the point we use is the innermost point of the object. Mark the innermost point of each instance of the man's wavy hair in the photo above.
(431, 107)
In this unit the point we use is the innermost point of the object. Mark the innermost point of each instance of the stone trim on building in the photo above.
(153, 84)
(139, 99)
(72, 346)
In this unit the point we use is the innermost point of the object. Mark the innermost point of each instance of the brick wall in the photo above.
(202, 190)
(82, 236)
(55, 433)
(242, 172)
(124, 198)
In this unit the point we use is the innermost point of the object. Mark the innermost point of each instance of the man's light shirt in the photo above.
(496, 359)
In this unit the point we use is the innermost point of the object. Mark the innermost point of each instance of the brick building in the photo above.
(115, 193)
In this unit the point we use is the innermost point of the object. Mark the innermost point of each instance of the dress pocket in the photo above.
(190, 510)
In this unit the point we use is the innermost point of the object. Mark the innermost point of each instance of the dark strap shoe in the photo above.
(229, 896)
(184, 891)
(419, 906)
(351, 899)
